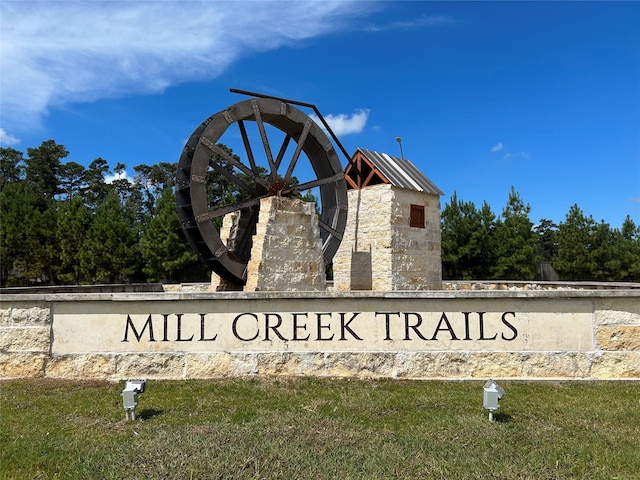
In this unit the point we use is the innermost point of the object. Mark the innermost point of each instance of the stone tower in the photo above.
(392, 238)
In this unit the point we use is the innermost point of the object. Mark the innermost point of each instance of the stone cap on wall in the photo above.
(418, 294)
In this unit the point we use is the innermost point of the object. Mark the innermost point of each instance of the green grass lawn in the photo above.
(319, 429)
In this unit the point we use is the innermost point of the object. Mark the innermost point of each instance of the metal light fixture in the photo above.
(130, 397)
(493, 393)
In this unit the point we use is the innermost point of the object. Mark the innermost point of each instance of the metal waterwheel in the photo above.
(304, 160)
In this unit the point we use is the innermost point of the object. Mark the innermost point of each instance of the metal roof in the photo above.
(401, 173)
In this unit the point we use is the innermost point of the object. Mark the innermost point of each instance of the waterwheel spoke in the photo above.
(296, 153)
(247, 234)
(265, 140)
(329, 229)
(316, 183)
(229, 158)
(230, 176)
(283, 149)
(247, 146)
(222, 211)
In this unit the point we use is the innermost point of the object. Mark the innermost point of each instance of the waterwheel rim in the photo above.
(302, 141)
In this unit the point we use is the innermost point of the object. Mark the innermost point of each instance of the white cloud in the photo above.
(521, 155)
(58, 52)
(7, 139)
(343, 124)
(117, 176)
(419, 22)
(497, 147)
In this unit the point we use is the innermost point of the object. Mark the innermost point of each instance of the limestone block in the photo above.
(614, 365)
(208, 365)
(150, 365)
(287, 249)
(288, 363)
(244, 364)
(22, 365)
(555, 365)
(619, 337)
(94, 366)
(25, 314)
(24, 339)
(5, 315)
(618, 311)
(430, 365)
(363, 365)
(495, 365)
(310, 363)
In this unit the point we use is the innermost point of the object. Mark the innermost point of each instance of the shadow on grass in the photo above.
(502, 417)
(147, 413)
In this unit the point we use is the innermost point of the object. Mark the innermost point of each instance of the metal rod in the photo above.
(302, 104)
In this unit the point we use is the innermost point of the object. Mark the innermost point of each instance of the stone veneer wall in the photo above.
(380, 251)
(26, 341)
(287, 249)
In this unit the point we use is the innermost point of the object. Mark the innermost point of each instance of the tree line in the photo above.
(478, 244)
(63, 223)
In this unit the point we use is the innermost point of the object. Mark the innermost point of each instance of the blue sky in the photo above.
(541, 96)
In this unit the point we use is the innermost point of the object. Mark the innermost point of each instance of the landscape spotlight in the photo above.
(130, 397)
(493, 393)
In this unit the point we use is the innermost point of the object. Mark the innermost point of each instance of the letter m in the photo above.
(138, 336)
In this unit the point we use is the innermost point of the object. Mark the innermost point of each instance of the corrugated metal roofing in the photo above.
(401, 173)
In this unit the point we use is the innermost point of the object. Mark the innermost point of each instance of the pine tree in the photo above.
(605, 265)
(467, 240)
(166, 253)
(515, 242)
(546, 233)
(11, 166)
(72, 226)
(44, 167)
(27, 251)
(96, 187)
(573, 261)
(627, 250)
(110, 252)
(72, 180)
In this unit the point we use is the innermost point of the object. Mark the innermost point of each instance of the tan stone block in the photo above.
(617, 311)
(431, 365)
(495, 365)
(614, 365)
(25, 313)
(150, 365)
(244, 364)
(620, 337)
(5, 315)
(22, 365)
(93, 366)
(278, 363)
(25, 339)
(207, 365)
(555, 365)
(310, 363)
(364, 365)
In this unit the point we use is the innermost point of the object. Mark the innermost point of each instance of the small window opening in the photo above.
(416, 216)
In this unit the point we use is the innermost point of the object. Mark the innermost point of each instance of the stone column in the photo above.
(232, 223)
(287, 249)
